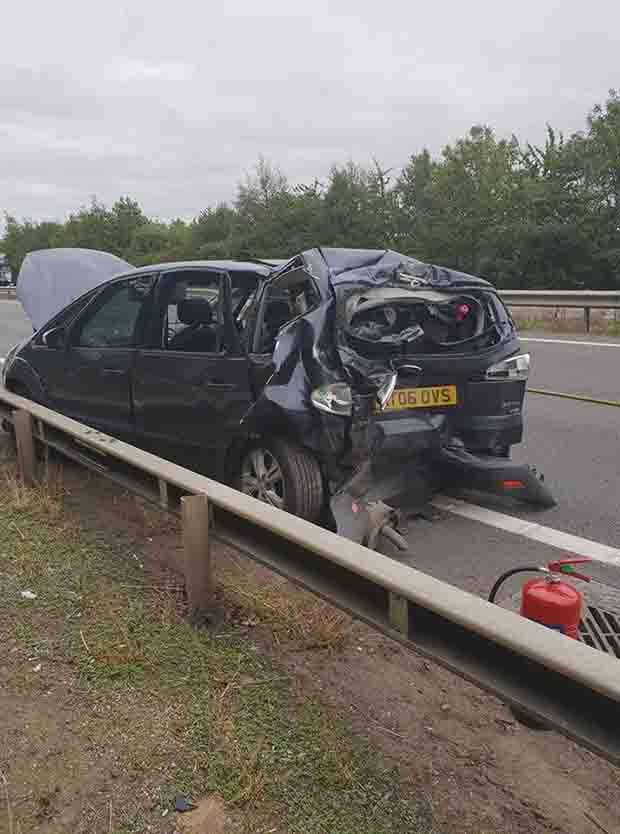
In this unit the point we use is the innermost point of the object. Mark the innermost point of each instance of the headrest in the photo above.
(194, 311)
(179, 292)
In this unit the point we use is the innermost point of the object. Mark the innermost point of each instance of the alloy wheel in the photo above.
(262, 478)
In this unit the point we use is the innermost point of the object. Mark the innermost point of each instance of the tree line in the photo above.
(521, 215)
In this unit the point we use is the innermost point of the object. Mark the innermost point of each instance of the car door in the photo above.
(91, 378)
(191, 387)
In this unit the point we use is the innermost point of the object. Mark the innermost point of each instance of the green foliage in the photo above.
(522, 216)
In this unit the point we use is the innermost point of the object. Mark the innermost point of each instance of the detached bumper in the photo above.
(462, 469)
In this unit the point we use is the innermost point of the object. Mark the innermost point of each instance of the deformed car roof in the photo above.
(374, 267)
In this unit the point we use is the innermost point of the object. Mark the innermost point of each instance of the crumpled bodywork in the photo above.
(382, 317)
(328, 344)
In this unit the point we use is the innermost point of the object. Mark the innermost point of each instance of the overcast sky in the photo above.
(172, 102)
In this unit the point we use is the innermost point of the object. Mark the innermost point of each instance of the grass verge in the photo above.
(119, 705)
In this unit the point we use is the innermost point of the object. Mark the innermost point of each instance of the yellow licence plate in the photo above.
(435, 396)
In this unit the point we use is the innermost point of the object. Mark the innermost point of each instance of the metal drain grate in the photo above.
(600, 629)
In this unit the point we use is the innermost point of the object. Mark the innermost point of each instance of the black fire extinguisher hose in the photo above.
(507, 575)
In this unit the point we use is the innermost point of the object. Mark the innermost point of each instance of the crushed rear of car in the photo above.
(402, 378)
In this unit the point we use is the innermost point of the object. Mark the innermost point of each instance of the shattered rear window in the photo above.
(392, 322)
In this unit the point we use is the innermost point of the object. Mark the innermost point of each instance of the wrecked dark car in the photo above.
(342, 385)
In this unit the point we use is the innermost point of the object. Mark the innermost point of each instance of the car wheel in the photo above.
(283, 475)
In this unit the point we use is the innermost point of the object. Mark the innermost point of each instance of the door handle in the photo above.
(113, 372)
(220, 386)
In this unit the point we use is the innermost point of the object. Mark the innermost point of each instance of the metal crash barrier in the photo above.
(570, 687)
(585, 300)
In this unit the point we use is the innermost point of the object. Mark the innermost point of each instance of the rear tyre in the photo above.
(282, 474)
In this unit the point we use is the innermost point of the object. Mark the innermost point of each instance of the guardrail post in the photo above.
(24, 439)
(399, 613)
(163, 493)
(198, 569)
(46, 449)
(586, 317)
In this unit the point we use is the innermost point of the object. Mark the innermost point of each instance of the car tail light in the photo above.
(334, 399)
(517, 367)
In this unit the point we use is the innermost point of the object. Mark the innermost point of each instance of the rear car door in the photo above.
(91, 377)
(191, 387)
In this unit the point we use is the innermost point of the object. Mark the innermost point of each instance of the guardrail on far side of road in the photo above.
(585, 300)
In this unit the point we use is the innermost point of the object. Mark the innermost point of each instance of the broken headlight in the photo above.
(517, 367)
(334, 399)
(386, 389)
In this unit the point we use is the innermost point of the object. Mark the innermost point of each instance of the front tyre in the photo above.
(283, 475)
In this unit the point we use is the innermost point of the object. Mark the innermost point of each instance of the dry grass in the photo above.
(11, 829)
(257, 597)
(46, 497)
(150, 520)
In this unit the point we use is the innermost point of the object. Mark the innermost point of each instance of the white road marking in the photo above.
(531, 530)
(568, 342)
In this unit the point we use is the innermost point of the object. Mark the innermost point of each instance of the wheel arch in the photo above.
(22, 379)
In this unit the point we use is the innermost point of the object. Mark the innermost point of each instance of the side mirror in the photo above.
(54, 337)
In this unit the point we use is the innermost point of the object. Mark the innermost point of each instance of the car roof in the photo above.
(260, 268)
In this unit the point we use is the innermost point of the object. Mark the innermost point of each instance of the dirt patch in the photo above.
(479, 770)
(209, 817)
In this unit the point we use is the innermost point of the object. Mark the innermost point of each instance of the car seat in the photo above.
(200, 335)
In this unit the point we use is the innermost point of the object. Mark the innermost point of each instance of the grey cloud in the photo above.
(172, 103)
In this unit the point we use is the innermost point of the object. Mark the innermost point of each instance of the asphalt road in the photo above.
(576, 445)
(13, 324)
(592, 369)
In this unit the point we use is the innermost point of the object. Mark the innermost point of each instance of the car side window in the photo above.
(193, 319)
(115, 320)
(286, 299)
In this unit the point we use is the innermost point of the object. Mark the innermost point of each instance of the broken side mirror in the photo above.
(54, 337)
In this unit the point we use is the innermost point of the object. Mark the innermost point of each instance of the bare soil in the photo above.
(480, 770)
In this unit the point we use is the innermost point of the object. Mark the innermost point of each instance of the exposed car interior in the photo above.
(290, 296)
(194, 319)
(191, 320)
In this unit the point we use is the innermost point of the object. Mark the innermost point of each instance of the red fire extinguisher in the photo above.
(550, 601)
